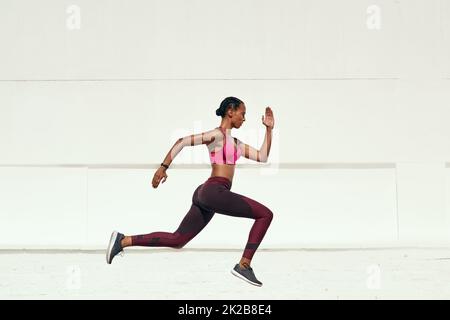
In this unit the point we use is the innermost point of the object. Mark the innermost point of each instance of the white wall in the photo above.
(360, 149)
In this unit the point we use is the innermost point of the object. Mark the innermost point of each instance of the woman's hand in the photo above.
(268, 121)
(160, 174)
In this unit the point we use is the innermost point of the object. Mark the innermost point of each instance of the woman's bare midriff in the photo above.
(223, 170)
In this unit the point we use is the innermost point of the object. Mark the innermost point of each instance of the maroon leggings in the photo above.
(213, 196)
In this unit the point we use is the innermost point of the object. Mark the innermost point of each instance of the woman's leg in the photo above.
(217, 198)
(194, 221)
(263, 217)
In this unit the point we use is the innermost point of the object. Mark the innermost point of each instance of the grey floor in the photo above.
(205, 274)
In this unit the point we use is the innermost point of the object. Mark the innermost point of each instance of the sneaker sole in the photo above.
(234, 273)
(112, 240)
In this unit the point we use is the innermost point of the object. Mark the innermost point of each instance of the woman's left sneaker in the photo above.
(114, 246)
(246, 274)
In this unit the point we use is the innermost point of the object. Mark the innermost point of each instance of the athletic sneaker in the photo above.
(114, 246)
(246, 274)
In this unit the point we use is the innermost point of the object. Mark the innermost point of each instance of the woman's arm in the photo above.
(261, 155)
(192, 140)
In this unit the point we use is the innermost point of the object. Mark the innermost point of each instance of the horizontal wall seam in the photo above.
(381, 165)
(195, 79)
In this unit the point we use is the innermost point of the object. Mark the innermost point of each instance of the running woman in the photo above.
(214, 195)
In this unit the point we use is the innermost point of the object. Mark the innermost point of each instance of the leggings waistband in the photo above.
(222, 180)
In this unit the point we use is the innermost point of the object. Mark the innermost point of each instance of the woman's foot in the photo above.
(246, 274)
(114, 246)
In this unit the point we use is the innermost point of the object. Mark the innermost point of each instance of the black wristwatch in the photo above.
(164, 165)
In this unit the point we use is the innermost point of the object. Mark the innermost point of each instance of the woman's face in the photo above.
(238, 117)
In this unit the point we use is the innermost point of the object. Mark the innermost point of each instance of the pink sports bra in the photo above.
(229, 153)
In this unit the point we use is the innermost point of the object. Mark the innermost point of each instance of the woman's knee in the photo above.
(269, 214)
(180, 245)
(180, 240)
(264, 213)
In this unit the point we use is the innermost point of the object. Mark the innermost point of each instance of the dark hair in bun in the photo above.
(229, 102)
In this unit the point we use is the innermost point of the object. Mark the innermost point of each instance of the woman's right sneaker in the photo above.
(114, 246)
(246, 274)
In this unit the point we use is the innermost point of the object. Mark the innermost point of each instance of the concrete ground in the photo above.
(205, 274)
